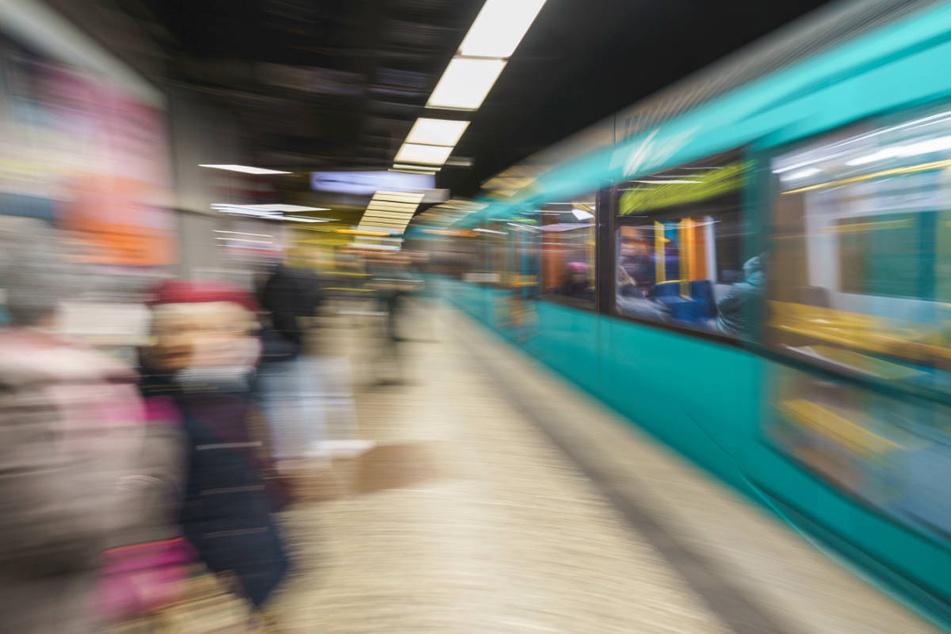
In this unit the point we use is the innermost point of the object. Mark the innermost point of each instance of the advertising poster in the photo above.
(79, 153)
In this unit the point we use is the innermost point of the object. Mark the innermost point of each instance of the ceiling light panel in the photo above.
(436, 132)
(392, 203)
(465, 84)
(390, 213)
(402, 197)
(393, 217)
(244, 169)
(499, 27)
(304, 219)
(414, 170)
(282, 207)
(426, 154)
(392, 208)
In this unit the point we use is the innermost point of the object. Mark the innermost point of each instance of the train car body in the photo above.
(762, 282)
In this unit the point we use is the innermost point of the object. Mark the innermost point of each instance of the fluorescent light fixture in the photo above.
(799, 175)
(385, 213)
(243, 233)
(285, 208)
(402, 197)
(826, 152)
(414, 170)
(880, 155)
(460, 161)
(581, 214)
(669, 182)
(465, 83)
(229, 239)
(388, 217)
(391, 210)
(426, 168)
(244, 169)
(427, 154)
(389, 221)
(499, 27)
(399, 204)
(303, 219)
(436, 132)
(263, 210)
(243, 210)
(380, 247)
(901, 151)
(926, 147)
(388, 224)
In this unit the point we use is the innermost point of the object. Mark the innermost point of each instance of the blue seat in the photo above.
(702, 291)
(666, 289)
(681, 309)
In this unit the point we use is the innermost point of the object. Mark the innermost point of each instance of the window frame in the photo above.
(611, 231)
(770, 189)
(573, 302)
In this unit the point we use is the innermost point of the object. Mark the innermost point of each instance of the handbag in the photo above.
(142, 578)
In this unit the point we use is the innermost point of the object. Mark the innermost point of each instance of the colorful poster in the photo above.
(82, 154)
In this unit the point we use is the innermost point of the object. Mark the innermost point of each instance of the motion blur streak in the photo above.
(452, 316)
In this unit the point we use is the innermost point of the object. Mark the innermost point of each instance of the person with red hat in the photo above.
(202, 364)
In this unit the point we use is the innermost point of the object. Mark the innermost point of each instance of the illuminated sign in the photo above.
(370, 182)
(647, 194)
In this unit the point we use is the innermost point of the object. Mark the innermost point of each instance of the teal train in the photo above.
(755, 267)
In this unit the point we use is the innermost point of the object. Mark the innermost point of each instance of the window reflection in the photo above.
(679, 249)
(860, 271)
(568, 249)
(862, 252)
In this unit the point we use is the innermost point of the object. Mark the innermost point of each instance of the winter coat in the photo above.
(290, 295)
(227, 503)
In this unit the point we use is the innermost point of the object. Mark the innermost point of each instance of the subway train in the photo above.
(754, 266)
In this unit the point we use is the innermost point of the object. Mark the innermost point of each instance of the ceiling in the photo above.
(337, 84)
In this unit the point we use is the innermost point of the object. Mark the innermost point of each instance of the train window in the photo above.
(485, 244)
(861, 255)
(860, 284)
(680, 248)
(567, 233)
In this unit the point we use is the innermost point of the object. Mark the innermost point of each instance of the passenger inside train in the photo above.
(679, 248)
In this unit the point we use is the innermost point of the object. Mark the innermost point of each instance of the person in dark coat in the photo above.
(290, 378)
(290, 296)
(203, 361)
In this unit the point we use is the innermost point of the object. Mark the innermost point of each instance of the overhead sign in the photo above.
(370, 182)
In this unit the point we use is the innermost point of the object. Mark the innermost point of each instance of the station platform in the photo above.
(498, 498)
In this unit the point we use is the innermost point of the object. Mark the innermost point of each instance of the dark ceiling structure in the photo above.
(337, 84)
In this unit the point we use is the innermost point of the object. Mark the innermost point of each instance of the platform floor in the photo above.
(499, 499)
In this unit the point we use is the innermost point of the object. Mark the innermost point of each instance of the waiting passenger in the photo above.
(578, 284)
(289, 375)
(202, 365)
(733, 308)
